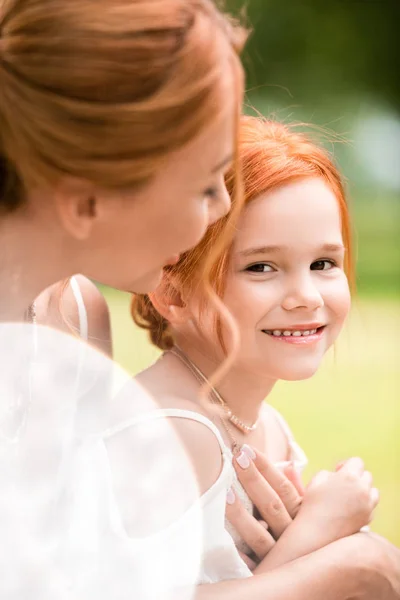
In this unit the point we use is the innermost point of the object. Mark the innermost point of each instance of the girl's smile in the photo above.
(298, 334)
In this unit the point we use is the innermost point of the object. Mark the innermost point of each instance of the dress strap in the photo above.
(82, 314)
(297, 454)
(283, 424)
(163, 413)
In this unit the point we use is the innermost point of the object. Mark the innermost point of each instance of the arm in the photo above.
(335, 505)
(99, 326)
(361, 567)
(56, 307)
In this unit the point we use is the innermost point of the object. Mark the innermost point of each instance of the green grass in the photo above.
(351, 407)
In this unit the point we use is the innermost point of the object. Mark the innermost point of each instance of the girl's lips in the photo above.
(301, 340)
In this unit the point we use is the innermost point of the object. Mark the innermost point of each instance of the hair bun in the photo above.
(146, 317)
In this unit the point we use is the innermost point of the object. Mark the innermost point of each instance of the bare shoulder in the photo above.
(198, 438)
(98, 313)
(57, 307)
(203, 449)
(178, 452)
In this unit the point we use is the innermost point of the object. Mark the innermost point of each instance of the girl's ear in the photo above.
(168, 300)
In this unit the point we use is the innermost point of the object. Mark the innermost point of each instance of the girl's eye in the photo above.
(322, 265)
(259, 268)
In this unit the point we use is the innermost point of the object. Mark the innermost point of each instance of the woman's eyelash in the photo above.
(211, 192)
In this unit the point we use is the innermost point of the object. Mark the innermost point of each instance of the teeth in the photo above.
(287, 333)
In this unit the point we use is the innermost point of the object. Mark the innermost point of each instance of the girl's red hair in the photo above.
(271, 155)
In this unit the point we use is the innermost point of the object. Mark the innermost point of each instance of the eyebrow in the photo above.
(276, 249)
(223, 164)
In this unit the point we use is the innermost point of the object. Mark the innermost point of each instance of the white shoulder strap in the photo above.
(82, 314)
(282, 422)
(297, 454)
(167, 413)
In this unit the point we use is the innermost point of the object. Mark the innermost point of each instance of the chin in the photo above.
(299, 373)
(147, 283)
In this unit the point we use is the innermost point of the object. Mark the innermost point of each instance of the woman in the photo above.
(117, 123)
(103, 118)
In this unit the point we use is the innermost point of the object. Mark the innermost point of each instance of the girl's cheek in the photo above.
(339, 299)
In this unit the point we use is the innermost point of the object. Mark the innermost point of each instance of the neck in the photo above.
(30, 261)
(242, 389)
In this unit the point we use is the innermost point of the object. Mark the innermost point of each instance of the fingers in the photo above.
(253, 532)
(375, 495)
(353, 465)
(340, 465)
(366, 478)
(263, 496)
(294, 476)
(248, 561)
(280, 483)
(319, 478)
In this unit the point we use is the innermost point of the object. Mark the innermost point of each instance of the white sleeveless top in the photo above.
(220, 542)
(220, 558)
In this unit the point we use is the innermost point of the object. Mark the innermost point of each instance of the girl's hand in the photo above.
(340, 503)
(335, 505)
(252, 531)
(276, 496)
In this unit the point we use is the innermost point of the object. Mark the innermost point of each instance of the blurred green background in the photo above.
(335, 63)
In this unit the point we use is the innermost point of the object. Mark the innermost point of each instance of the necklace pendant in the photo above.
(240, 425)
(235, 448)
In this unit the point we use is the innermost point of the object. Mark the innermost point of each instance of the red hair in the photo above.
(271, 155)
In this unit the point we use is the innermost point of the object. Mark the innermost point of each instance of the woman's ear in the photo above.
(168, 300)
(76, 202)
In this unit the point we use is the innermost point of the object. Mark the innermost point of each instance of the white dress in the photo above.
(65, 530)
(70, 530)
(219, 559)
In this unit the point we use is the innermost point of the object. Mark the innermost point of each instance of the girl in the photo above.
(284, 280)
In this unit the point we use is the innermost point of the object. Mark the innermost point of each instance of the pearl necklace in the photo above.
(216, 396)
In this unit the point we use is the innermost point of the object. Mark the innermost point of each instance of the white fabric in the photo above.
(220, 558)
(82, 313)
(69, 530)
(297, 454)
